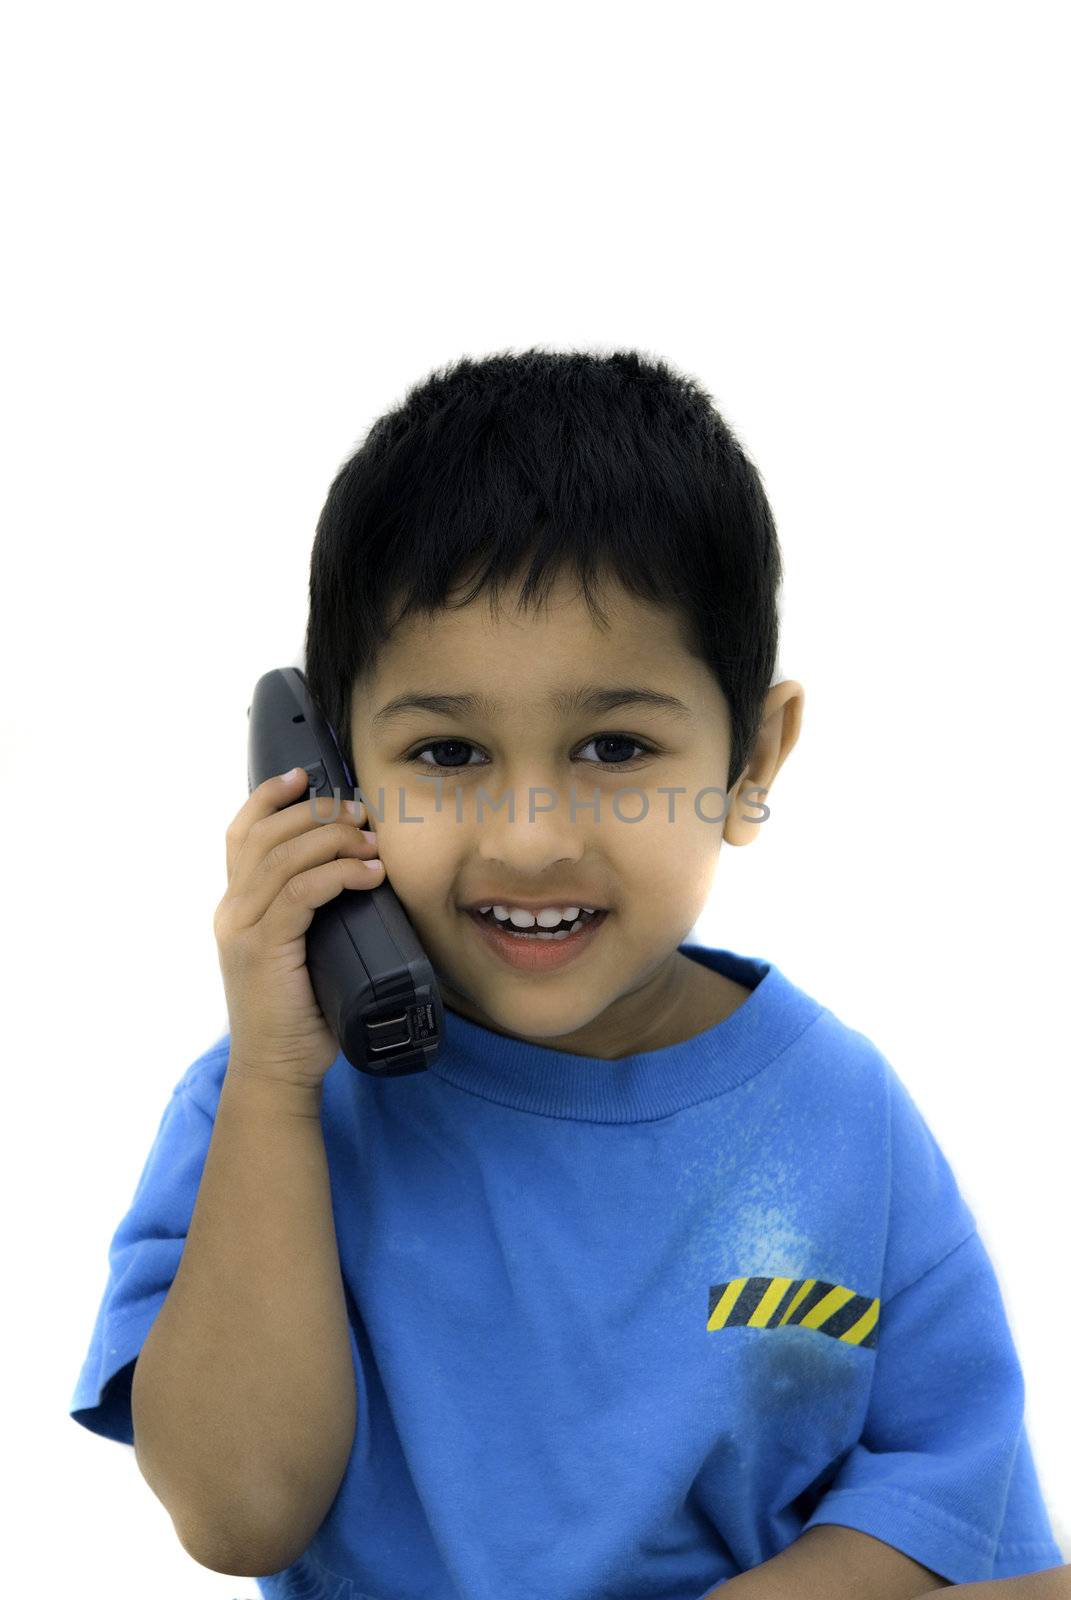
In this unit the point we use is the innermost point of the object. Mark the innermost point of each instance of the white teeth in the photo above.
(549, 917)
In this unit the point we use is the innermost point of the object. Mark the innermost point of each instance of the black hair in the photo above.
(602, 464)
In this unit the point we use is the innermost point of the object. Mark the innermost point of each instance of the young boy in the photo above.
(657, 1280)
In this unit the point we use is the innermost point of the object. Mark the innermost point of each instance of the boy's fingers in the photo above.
(266, 798)
(281, 794)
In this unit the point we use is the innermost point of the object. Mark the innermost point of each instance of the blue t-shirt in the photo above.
(627, 1328)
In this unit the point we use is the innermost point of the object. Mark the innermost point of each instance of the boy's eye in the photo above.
(615, 758)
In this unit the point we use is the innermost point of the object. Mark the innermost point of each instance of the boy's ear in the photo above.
(747, 809)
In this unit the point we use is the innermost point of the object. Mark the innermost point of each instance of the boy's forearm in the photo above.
(1052, 1584)
(243, 1399)
(830, 1562)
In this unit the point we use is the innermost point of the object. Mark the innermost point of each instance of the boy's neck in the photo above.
(707, 998)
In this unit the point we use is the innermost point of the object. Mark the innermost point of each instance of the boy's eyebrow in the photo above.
(565, 702)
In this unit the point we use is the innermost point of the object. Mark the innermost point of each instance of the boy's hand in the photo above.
(283, 863)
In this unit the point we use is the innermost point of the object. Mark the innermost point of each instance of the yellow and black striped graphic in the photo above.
(808, 1302)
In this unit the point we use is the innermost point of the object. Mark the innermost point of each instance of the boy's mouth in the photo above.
(537, 949)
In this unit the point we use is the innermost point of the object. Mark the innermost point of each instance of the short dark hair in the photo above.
(543, 460)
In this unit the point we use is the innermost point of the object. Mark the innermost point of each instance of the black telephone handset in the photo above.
(371, 978)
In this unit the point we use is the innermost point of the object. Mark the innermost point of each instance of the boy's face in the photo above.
(653, 875)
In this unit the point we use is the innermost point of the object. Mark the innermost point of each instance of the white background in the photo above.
(236, 234)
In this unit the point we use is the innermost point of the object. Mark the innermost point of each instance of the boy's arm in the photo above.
(243, 1397)
(1052, 1584)
(830, 1562)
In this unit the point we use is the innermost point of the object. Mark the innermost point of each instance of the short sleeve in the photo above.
(144, 1255)
(943, 1468)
